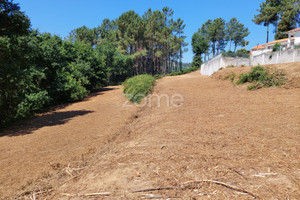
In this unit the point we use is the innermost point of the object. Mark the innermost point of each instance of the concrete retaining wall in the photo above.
(291, 55)
(220, 61)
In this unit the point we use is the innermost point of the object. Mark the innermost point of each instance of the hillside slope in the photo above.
(224, 142)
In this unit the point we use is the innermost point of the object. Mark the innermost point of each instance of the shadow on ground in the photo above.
(99, 91)
(50, 119)
(53, 118)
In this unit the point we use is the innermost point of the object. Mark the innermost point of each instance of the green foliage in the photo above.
(199, 44)
(32, 103)
(242, 54)
(158, 76)
(243, 51)
(13, 21)
(231, 77)
(289, 13)
(184, 71)
(197, 61)
(261, 77)
(276, 47)
(236, 33)
(40, 70)
(215, 36)
(283, 14)
(138, 87)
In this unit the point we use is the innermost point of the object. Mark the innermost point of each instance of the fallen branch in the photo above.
(155, 189)
(151, 196)
(242, 175)
(232, 187)
(86, 195)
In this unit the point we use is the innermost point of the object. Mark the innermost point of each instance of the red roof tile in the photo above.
(258, 47)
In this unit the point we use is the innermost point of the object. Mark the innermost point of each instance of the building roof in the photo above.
(258, 47)
(293, 31)
(278, 41)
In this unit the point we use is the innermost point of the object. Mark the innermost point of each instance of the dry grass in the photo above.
(223, 133)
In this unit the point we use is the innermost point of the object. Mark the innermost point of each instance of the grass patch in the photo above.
(138, 87)
(261, 77)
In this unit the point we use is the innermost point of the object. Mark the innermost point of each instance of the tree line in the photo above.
(283, 14)
(215, 35)
(38, 70)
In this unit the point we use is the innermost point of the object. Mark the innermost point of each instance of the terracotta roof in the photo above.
(294, 30)
(258, 47)
(278, 41)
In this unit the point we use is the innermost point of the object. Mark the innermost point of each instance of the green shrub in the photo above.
(243, 51)
(261, 77)
(158, 76)
(138, 87)
(230, 76)
(276, 47)
(33, 103)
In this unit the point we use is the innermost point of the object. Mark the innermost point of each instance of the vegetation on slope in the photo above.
(259, 77)
(38, 70)
(138, 87)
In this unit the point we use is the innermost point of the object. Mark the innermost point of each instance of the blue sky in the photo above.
(61, 16)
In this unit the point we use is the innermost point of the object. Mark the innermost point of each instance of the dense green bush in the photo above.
(261, 77)
(138, 87)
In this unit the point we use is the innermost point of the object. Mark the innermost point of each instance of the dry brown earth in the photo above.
(224, 142)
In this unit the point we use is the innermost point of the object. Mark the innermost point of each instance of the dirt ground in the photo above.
(223, 142)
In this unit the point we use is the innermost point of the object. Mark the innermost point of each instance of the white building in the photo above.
(296, 34)
(286, 43)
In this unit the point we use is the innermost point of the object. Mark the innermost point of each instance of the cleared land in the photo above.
(223, 142)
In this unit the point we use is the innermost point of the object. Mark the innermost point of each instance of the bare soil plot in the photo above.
(224, 142)
(52, 141)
